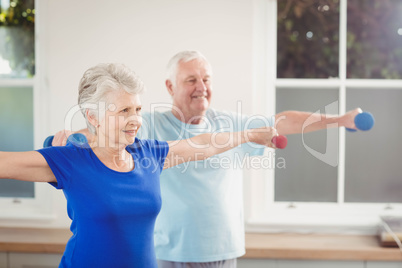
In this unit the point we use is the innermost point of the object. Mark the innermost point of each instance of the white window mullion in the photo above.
(26, 82)
(342, 40)
(342, 96)
(374, 84)
(41, 89)
(321, 84)
(271, 78)
(259, 191)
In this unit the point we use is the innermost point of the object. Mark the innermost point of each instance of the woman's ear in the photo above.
(92, 119)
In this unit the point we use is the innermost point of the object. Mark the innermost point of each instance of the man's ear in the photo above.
(169, 87)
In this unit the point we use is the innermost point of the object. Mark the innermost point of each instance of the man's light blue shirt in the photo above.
(201, 219)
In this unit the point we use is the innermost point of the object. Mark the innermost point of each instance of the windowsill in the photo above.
(258, 246)
(318, 247)
(33, 240)
(28, 216)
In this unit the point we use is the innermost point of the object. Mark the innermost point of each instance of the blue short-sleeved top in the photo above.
(113, 213)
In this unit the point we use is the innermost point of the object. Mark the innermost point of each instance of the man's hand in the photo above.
(60, 138)
(348, 119)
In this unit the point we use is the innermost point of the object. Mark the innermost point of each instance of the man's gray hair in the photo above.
(102, 79)
(183, 56)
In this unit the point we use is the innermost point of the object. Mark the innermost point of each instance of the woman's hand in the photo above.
(262, 136)
(206, 145)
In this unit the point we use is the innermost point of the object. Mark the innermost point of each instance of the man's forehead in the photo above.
(194, 68)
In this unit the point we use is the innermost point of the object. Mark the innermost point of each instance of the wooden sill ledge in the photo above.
(318, 247)
(261, 246)
(33, 240)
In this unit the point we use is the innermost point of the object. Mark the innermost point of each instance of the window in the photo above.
(331, 56)
(20, 103)
(17, 59)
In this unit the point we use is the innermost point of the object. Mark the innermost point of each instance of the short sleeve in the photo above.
(59, 159)
(154, 149)
(159, 149)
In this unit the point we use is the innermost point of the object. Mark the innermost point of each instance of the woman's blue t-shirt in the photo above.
(113, 213)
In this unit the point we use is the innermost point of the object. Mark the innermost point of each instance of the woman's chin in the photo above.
(128, 139)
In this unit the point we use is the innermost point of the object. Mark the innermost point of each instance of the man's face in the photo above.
(193, 89)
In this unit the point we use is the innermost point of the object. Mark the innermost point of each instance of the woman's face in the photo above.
(122, 119)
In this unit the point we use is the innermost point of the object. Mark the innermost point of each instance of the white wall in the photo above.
(143, 34)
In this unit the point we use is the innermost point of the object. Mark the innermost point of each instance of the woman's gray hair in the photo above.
(183, 56)
(102, 79)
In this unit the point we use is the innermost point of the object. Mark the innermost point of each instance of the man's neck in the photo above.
(189, 119)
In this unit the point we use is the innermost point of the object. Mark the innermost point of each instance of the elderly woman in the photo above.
(112, 185)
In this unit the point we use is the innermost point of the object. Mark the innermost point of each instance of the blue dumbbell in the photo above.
(48, 142)
(363, 121)
(76, 139)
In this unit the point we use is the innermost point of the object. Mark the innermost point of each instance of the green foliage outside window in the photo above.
(308, 39)
(17, 23)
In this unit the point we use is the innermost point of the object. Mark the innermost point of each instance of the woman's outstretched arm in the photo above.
(25, 166)
(206, 145)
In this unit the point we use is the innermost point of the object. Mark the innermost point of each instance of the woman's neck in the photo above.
(116, 158)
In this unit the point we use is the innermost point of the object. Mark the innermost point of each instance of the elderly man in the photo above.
(205, 199)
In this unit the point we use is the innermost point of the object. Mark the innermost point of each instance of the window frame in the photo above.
(263, 214)
(39, 207)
